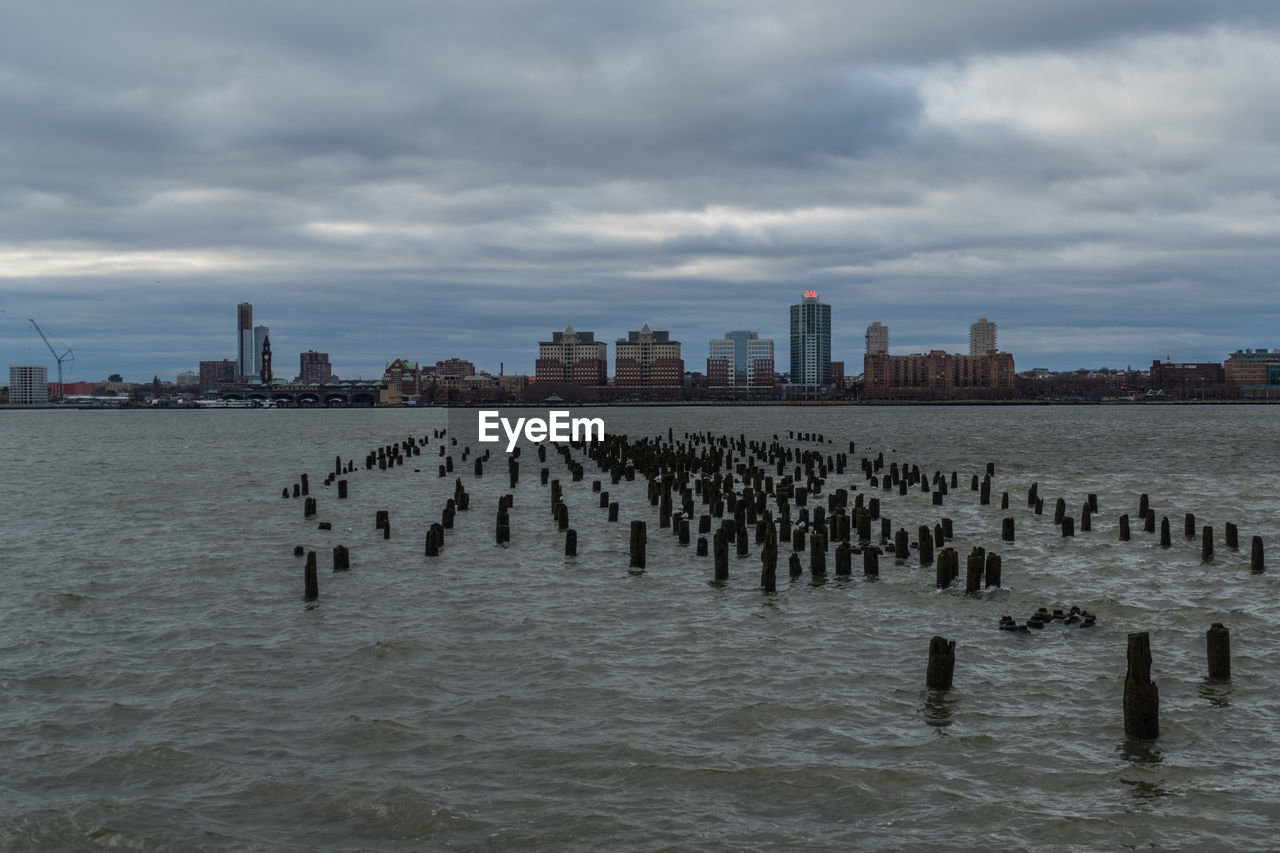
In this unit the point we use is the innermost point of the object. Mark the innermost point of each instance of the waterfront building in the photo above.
(648, 359)
(877, 338)
(1253, 367)
(187, 378)
(244, 340)
(314, 367)
(573, 357)
(935, 372)
(214, 374)
(982, 337)
(1184, 380)
(28, 384)
(403, 377)
(810, 341)
(740, 359)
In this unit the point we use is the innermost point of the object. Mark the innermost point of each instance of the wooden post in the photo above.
(925, 537)
(943, 574)
(638, 540)
(1189, 525)
(1206, 543)
(1141, 697)
(900, 547)
(613, 511)
(942, 664)
(310, 581)
(844, 559)
(973, 572)
(1068, 526)
(1231, 534)
(571, 543)
(503, 531)
(1006, 530)
(1149, 521)
(1124, 528)
(1059, 510)
(1164, 531)
(1255, 558)
(309, 507)
(993, 570)
(341, 559)
(1218, 647)
(871, 561)
(817, 555)
(342, 489)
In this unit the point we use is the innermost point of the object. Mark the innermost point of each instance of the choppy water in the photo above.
(163, 686)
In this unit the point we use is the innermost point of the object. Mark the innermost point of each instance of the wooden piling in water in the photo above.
(925, 537)
(942, 664)
(1206, 543)
(1218, 650)
(341, 559)
(844, 559)
(1059, 510)
(1165, 540)
(1141, 696)
(973, 572)
(310, 580)
(309, 508)
(1231, 535)
(342, 489)
(1068, 526)
(638, 541)
(871, 561)
(992, 574)
(1006, 530)
(1189, 525)
(817, 555)
(571, 543)
(1124, 528)
(613, 511)
(1255, 558)
(900, 546)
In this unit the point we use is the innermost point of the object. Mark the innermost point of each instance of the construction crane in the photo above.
(67, 355)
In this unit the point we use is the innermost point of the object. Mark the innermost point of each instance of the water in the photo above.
(164, 687)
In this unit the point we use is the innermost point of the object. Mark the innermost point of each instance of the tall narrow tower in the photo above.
(244, 341)
(266, 360)
(982, 337)
(810, 341)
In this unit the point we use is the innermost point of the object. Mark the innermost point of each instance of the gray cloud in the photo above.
(399, 179)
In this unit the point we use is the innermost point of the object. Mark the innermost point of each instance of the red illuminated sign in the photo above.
(811, 294)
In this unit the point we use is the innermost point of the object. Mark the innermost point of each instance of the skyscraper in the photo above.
(314, 366)
(877, 338)
(260, 334)
(244, 340)
(810, 341)
(740, 359)
(982, 337)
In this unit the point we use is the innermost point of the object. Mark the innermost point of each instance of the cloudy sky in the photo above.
(427, 180)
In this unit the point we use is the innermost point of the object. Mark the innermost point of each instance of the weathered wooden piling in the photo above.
(992, 577)
(1165, 540)
(613, 511)
(571, 543)
(309, 508)
(1124, 528)
(306, 485)
(925, 537)
(817, 555)
(1068, 526)
(342, 489)
(1006, 530)
(1141, 696)
(844, 559)
(1059, 510)
(638, 542)
(942, 664)
(871, 561)
(341, 559)
(1144, 504)
(435, 540)
(1149, 521)
(310, 580)
(502, 530)
(1206, 543)
(793, 566)
(1231, 535)
(1189, 525)
(1255, 558)
(942, 576)
(1086, 518)
(973, 572)
(1218, 649)
(298, 550)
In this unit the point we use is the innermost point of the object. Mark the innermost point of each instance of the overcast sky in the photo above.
(419, 180)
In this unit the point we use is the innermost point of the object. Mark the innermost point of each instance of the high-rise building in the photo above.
(260, 334)
(982, 337)
(187, 378)
(877, 338)
(740, 359)
(573, 357)
(314, 367)
(215, 373)
(28, 384)
(648, 359)
(244, 340)
(810, 341)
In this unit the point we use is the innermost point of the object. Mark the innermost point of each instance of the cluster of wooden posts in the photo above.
(773, 491)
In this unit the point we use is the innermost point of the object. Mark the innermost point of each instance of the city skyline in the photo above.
(394, 181)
